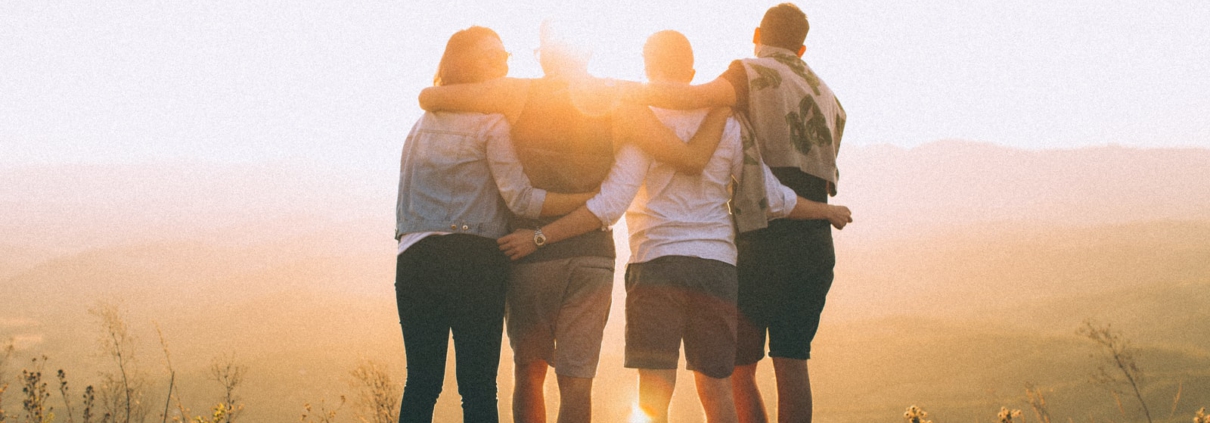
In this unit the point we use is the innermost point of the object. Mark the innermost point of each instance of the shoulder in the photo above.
(514, 86)
(492, 124)
(737, 65)
(736, 73)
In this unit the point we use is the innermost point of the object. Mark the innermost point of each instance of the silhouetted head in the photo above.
(668, 56)
(474, 54)
(784, 26)
(557, 54)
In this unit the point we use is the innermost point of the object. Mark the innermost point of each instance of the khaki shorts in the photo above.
(556, 312)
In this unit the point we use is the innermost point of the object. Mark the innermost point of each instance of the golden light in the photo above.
(637, 415)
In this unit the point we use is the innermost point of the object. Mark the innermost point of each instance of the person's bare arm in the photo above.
(637, 124)
(520, 243)
(679, 96)
(501, 95)
(784, 203)
(559, 204)
(603, 210)
(837, 215)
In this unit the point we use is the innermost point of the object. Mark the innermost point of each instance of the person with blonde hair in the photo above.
(458, 181)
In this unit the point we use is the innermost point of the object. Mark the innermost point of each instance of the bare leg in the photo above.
(716, 397)
(575, 399)
(529, 402)
(655, 393)
(793, 390)
(748, 403)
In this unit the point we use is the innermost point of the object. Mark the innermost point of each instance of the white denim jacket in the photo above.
(460, 174)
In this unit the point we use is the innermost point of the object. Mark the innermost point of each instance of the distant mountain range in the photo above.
(892, 191)
(946, 185)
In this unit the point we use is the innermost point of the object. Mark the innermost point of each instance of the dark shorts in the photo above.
(675, 298)
(785, 272)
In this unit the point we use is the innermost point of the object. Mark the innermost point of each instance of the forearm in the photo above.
(646, 131)
(523, 242)
(501, 95)
(557, 204)
(838, 216)
(576, 223)
(805, 209)
(678, 96)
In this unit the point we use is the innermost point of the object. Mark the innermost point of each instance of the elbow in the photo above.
(520, 210)
(426, 100)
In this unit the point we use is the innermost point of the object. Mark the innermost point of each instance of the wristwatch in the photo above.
(539, 238)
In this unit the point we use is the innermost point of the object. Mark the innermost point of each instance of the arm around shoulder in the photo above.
(501, 95)
(522, 243)
(679, 96)
(640, 126)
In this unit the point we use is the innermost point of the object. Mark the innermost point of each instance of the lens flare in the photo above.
(637, 415)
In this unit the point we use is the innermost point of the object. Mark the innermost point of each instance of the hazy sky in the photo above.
(335, 82)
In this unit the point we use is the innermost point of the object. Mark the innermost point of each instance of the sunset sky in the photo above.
(334, 83)
(229, 169)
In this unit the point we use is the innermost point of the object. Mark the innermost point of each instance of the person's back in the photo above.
(450, 277)
(678, 214)
(563, 149)
(681, 281)
(785, 269)
(793, 114)
(445, 183)
(559, 296)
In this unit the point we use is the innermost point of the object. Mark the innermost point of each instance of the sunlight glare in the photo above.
(637, 415)
(615, 51)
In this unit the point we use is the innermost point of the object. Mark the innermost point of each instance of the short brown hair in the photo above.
(668, 53)
(459, 64)
(785, 26)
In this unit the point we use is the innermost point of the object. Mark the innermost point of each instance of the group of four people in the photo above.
(508, 188)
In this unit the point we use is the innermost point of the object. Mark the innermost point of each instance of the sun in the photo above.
(610, 35)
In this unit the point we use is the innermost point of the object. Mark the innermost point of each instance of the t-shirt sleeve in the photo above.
(738, 77)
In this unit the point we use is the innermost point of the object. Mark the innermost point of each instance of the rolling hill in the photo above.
(964, 277)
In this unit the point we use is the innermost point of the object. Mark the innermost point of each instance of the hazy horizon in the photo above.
(227, 171)
(963, 279)
(335, 83)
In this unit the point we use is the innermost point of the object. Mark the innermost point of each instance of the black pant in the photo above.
(451, 283)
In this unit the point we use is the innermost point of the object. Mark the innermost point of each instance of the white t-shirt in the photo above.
(409, 239)
(677, 214)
